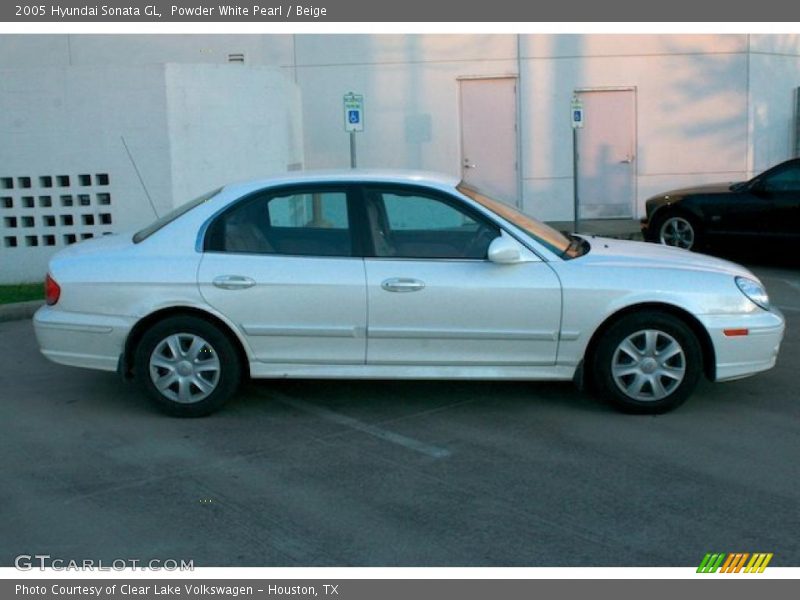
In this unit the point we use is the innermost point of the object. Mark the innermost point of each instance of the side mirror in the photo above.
(504, 251)
(757, 186)
(738, 186)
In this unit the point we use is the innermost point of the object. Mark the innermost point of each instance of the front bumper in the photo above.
(740, 356)
(644, 225)
(81, 340)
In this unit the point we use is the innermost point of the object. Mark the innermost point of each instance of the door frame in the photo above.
(635, 90)
(517, 128)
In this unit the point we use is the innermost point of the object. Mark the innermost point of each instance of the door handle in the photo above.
(233, 282)
(627, 160)
(400, 284)
(469, 165)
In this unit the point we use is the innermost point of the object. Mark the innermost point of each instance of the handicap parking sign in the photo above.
(578, 117)
(353, 112)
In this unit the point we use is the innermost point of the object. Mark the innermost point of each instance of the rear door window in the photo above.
(298, 222)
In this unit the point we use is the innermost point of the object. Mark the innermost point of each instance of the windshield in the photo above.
(168, 218)
(555, 241)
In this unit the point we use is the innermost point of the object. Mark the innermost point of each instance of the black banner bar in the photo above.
(730, 588)
(360, 11)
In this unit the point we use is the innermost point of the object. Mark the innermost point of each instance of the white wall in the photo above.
(692, 100)
(691, 104)
(229, 123)
(774, 79)
(710, 107)
(410, 88)
(187, 128)
(18, 51)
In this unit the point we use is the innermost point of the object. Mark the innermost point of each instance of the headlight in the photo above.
(754, 291)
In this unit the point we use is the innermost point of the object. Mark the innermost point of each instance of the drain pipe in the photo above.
(519, 130)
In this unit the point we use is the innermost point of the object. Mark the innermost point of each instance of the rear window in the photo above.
(168, 218)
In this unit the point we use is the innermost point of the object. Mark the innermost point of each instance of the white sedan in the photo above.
(359, 274)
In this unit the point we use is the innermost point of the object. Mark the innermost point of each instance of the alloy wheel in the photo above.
(648, 365)
(184, 368)
(677, 231)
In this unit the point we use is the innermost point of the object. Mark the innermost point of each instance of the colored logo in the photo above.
(735, 562)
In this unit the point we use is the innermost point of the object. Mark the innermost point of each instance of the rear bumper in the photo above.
(81, 340)
(740, 356)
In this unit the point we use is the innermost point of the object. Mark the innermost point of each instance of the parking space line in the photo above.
(378, 432)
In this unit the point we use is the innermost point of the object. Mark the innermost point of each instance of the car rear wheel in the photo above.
(647, 363)
(187, 366)
(679, 231)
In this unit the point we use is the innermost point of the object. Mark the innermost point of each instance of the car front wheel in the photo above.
(647, 363)
(679, 231)
(187, 366)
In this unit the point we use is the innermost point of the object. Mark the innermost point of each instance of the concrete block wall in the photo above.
(92, 150)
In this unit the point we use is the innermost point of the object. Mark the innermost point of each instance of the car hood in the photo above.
(708, 188)
(608, 252)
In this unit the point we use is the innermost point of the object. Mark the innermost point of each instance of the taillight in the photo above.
(52, 291)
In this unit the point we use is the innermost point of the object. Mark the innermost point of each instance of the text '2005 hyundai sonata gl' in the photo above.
(387, 275)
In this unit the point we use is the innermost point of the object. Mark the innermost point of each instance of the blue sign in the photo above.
(353, 112)
(577, 113)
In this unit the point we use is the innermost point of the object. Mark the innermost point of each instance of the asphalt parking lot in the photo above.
(308, 473)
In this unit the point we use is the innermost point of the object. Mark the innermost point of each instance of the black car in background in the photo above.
(767, 206)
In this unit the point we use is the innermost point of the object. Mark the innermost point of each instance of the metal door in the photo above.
(607, 154)
(489, 136)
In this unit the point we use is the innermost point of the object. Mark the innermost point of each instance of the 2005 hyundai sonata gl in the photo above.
(395, 275)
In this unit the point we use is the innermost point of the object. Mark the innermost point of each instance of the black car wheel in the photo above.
(647, 363)
(678, 230)
(187, 366)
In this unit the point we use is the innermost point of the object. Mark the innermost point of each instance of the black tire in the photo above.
(635, 366)
(204, 374)
(678, 229)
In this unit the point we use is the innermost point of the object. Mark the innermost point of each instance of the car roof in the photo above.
(433, 179)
